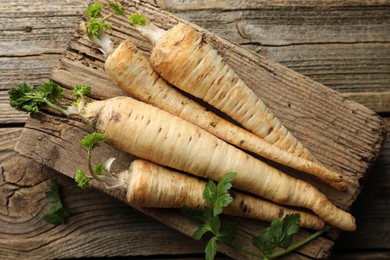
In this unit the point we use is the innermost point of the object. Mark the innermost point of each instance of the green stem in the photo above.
(90, 168)
(58, 108)
(109, 181)
(281, 252)
(244, 251)
(108, 16)
(300, 243)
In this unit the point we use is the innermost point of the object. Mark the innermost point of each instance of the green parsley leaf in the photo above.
(290, 227)
(217, 194)
(82, 179)
(138, 19)
(94, 10)
(80, 91)
(51, 91)
(95, 25)
(264, 242)
(25, 98)
(117, 8)
(228, 233)
(211, 248)
(55, 216)
(58, 213)
(99, 168)
(203, 229)
(279, 234)
(217, 197)
(91, 141)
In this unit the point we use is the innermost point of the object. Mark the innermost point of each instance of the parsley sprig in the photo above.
(26, 98)
(279, 235)
(97, 22)
(217, 197)
(100, 172)
(29, 99)
(58, 213)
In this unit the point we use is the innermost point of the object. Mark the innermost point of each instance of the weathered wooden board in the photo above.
(371, 207)
(305, 106)
(104, 228)
(342, 44)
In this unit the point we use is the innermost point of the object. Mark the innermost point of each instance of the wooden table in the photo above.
(342, 44)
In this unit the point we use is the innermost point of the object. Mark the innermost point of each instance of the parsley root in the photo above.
(156, 135)
(184, 59)
(150, 185)
(130, 70)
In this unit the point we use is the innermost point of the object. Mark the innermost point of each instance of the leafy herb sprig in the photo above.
(96, 21)
(278, 235)
(58, 213)
(97, 24)
(101, 172)
(26, 98)
(29, 99)
(218, 198)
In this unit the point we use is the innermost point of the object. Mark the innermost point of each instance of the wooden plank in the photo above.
(378, 101)
(8, 139)
(305, 106)
(103, 228)
(186, 5)
(14, 11)
(31, 44)
(52, 141)
(372, 207)
(342, 44)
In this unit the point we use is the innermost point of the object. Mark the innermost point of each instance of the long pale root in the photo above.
(182, 58)
(156, 135)
(130, 70)
(151, 185)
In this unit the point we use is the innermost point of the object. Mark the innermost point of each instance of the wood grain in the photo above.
(51, 141)
(103, 229)
(33, 36)
(304, 106)
(344, 45)
(28, 51)
(31, 44)
(372, 207)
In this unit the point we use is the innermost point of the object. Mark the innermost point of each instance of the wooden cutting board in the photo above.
(344, 135)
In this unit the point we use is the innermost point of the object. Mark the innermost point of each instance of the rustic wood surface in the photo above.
(31, 45)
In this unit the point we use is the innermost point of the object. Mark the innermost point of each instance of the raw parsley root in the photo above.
(130, 70)
(151, 185)
(158, 136)
(184, 59)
